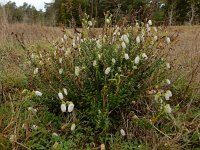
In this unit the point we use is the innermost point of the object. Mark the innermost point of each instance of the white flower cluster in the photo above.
(63, 106)
(168, 94)
(34, 127)
(167, 108)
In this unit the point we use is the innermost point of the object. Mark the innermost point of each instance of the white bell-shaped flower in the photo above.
(35, 71)
(137, 60)
(60, 95)
(70, 107)
(137, 39)
(107, 21)
(38, 93)
(168, 40)
(155, 38)
(73, 126)
(168, 65)
(113, 60)
(77, 70)
(122, 132)
(167, 96)
(94, 63)
(168, 81)
(137, 24)
(150, 23)
(23, 126)
(74, 44)
(99, 56)
(102, 147)
(54, 134)
(30, 108)
(65, 37)
(148, 28)
(123, 45)
(125, 38)
(60, 70)
(65, 91)
(63, 107)
(107, 71)
(169, 92)
(90, 23)
(62, 39)
(126, 56)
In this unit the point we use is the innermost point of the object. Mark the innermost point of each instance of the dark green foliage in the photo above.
(71, 12)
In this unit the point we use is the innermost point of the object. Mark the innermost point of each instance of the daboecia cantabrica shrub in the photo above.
(106, 76)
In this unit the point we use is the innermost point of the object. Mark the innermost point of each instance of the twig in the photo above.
(22, 145)
(161, 132)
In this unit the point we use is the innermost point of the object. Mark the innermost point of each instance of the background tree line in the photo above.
(26, 13)
(71, 12)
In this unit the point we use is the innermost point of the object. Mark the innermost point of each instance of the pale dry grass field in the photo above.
(15, 39)
(29, 33)
(185, 53)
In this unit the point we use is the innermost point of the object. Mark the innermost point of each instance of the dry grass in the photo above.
(185, 54)
(12, 54)
(29, 33)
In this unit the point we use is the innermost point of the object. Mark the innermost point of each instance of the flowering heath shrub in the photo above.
(107, 77)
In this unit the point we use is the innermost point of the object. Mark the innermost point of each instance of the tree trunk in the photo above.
(192, 13)
(4, 16)
(171, 15)
(92, 11)
(96, 11)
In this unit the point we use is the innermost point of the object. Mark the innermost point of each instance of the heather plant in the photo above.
(105, 82)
